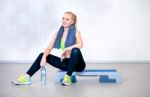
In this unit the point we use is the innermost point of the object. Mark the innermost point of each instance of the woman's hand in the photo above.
(63, 54)
(43, 61)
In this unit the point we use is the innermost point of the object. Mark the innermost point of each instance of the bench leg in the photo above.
(73, 79)
(106, 79)
(110, 78)
(116, 76)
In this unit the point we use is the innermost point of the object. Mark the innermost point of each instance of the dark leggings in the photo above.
(74, 63)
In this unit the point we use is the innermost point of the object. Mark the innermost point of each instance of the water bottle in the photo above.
(43, 75)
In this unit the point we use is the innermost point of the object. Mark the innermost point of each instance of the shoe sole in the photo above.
(65, 84)
(18, 83)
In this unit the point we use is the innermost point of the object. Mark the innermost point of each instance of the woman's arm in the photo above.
(79, 42)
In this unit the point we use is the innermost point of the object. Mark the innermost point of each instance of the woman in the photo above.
(68, 38)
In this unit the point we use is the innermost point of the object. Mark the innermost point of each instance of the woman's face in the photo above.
(66, 20)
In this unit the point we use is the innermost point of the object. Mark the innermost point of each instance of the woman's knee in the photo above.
(75, 50)
(41, 54)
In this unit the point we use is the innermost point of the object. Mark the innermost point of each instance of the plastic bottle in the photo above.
(43, 75)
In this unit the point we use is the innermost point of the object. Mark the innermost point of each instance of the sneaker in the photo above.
(22, 80)
(66, 81)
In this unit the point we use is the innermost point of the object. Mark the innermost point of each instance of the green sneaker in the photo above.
(22, 80)
(66, 81)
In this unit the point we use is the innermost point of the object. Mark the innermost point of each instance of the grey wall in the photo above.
(112, 30)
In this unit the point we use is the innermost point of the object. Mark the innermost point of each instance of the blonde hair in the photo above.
(73, 17)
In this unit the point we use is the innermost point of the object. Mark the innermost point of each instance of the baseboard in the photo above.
(88, 62)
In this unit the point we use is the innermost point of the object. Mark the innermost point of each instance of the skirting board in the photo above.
(88, 62)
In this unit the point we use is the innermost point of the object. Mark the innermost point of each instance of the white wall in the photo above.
(112, 30)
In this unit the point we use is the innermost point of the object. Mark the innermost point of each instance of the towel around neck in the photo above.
(70, 39)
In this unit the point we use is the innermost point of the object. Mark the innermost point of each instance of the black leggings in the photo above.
(74, 63)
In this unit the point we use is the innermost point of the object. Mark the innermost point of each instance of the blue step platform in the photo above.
(105, 75)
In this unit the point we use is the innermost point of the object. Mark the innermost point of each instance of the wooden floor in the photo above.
(136, 83)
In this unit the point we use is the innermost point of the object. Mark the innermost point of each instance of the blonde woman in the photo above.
(69, 39)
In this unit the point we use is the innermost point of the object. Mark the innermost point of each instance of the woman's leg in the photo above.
(56, 62)
(35, 66)
(51, 59)
(76, 62)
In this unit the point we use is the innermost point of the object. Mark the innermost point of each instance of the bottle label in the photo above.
(43, 75)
